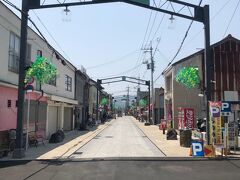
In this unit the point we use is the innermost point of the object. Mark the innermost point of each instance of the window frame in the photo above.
(14, 52)
(53, 81)
(68, 83)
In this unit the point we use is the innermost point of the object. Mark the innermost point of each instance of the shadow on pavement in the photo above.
(35, 152)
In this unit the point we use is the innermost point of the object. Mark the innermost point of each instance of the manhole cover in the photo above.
(108, 136)
(77, 152)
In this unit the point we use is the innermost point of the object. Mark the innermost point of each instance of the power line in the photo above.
(231, 18)
(35, 26)
(143, 42)
(179, 49)
(122, 73)
(211, 19)
(51, 35)
(113, 61)
(150, 32)
(149, 20)
(146, 32)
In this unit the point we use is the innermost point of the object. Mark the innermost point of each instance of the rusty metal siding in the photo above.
(224, 71)
(230, 70)
(226, 59)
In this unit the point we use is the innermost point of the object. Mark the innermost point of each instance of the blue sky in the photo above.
(99, 34)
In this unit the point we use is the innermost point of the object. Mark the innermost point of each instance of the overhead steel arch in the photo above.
(126, 79)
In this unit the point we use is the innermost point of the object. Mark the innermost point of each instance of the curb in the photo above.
(94, 135)
(63, 160)
(150, 139)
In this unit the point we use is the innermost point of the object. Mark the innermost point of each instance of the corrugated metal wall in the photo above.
(226, 64)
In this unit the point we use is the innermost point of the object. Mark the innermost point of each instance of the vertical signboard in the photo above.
(197, 149)
(189, 116)
(180, 118)
(185, 118)
(215, 114)
(231, 131)
(215, 109)
(217, 131)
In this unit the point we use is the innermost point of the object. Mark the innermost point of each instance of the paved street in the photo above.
(123, 170)
(122, 138)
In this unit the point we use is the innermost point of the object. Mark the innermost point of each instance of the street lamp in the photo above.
(66, 14)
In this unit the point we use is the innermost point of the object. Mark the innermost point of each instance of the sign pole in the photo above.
(226, 135)
(28, 114)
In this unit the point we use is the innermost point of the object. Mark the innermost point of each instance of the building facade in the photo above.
(225, 76)
(82, 96)
(158, 105)
(51, 104)
(93, 99)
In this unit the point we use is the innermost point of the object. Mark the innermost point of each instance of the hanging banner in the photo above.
(217, 131)
(189, 113)
(185, 118)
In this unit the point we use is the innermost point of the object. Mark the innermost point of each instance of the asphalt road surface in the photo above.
(121, 139)
(122, 170)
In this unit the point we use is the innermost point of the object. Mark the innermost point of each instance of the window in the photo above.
(52, 81)
(14, 53)
(169, 83)
(68, 83)
(39, 53)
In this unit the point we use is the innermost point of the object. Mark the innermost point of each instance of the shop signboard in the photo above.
(217, 131)
(215, 109)
(189, 115)
(185, 118)
(197, 149)
(209, 151)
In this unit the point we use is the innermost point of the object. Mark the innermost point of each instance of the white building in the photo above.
(53, 111)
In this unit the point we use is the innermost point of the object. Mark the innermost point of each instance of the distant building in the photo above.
(158, 105)
(93, 99)
(82, 95)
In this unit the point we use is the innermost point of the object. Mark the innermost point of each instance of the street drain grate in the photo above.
(96, 138)
(77, 152)
(144, 136)
(108, 136)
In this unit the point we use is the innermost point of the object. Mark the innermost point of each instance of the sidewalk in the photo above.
(171, 148)
(73, 140)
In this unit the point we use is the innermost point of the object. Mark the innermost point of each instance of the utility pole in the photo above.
(152, 71)
(19, 152)
(127, 101)
(151, 66)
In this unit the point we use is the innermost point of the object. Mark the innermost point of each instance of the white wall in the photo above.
(11, 23)
(8, 22)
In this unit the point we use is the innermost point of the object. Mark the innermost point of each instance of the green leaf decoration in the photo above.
(42, 70)
(103, 101)
(142, 102)
(188, 76)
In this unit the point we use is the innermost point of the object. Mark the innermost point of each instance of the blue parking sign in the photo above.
(197, 149)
